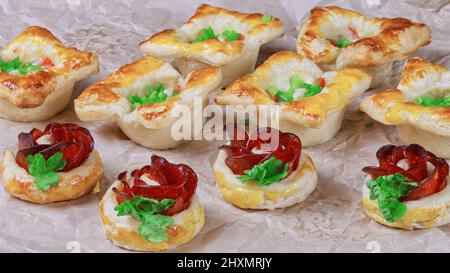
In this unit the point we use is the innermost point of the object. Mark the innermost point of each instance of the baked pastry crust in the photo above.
(72, 184)
(427, 126)
(123, 230)
(236, 57)
(314, 119)
(148, 125)
(40, 95)
(379, 41)
(428, 212)
(285, 193)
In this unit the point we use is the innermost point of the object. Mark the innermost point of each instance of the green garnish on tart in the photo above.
(343, 42)
(387, 189)
(266, 18)
(153, 226)
(433, 102)
(16, 65)
(45, 170)
(156, 94)
(295, 83)
(266, 173)
(208, 33)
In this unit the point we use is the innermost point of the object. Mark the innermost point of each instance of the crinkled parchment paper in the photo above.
(330, 220)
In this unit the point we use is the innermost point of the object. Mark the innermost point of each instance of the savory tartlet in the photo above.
(419, 107)
(145, 98)
(265, 170)
(38, 73)
(154, 208)
(311, 103)
(409, 189)
(216, 37)
(335, 38)
(56, 164)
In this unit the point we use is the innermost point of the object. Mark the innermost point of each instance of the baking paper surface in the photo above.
(330, 220)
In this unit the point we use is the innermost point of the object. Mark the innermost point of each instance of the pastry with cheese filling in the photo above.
(216, 37)
(153, 208)
(311, 103)
(38, 73)
(419, 107)
(264, 170)
(146, 98)
(335, 38)
(408, 189)
(56, 164)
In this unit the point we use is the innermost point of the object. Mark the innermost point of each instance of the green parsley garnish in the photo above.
(155, 95)
(208, 33)
(368, 124)
(433, 102)
(387, 190)
(45, 171)
(342, 42)
(267, 172)
(153, 227)
(266, 18)
(16, 65)
(295, 83)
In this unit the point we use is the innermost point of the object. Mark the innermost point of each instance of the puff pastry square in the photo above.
(236, 58)
(148, 125)
(376, 42)
(42, 94)
(314, 119)
(426, 126)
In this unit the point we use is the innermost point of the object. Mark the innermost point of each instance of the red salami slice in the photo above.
(416, 159)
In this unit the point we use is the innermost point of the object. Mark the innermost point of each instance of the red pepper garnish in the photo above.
(241, 156)
(47, 62)
(416, 158)
(176, 181)
(353, 33)
(73, 141)
(321, 82)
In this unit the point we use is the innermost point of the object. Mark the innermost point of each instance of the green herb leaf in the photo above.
(387, 190)
(343, 42)
(295, 83)
(156, 94)
(45, 171)
(230, 35)
(146, 210)
(368, 124)
(154, 227)
(266, 173)
(433, 102)
(15, 64)
(266, 18)
(205, 34)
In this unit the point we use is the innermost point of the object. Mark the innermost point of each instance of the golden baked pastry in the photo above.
(217, 37)
(409, 189)
(57, 164)
(141, 97)
(419, 107)
(335, 38)
(38, 74)
(314, 104)
(162, 217)
(269, 179)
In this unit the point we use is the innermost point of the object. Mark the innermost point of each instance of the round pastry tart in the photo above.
(334, 37)
(145, 99)
(56, 164)
(419, 107)
(409, 189)
(216, 37)
(37, 75)
(153, 208)
(311, 103)
(264, 170)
